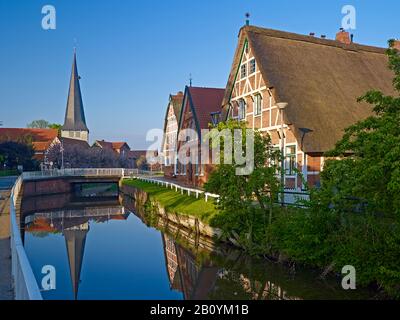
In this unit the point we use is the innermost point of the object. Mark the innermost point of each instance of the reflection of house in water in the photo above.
(195, 280)
(171, 259)
(205, 280)
(74, 225)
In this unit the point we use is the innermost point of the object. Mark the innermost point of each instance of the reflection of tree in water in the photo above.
(225, 273)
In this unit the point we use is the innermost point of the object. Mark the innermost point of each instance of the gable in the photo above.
(320, 80)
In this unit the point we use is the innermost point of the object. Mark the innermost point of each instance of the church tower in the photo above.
(75, 123)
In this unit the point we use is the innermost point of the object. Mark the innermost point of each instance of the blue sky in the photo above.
(133, 54)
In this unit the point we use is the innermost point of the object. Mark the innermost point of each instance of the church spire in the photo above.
(75, 115)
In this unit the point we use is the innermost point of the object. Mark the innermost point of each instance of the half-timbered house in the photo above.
(199, 107)
(170, 134)
(305, 87)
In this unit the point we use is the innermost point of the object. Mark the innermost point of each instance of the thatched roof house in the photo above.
(320, 79)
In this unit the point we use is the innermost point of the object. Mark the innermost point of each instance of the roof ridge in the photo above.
(211, 88)
(311, 39)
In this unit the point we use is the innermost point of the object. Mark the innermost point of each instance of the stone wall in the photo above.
(186, 221)
(46, 187)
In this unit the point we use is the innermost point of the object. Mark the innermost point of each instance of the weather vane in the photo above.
(190, 80)
(247, 18)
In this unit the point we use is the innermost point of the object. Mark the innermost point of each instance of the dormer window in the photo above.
(243, 71)
(242, 109)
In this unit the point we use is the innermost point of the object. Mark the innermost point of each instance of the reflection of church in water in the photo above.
(74, 226)
(195, 279)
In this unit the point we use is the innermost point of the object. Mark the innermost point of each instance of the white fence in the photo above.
(177, 187)
(292, 197)
(24, 282)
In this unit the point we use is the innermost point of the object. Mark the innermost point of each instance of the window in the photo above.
(242, 109)
(77, 134)
(215, 118)
(243, 71)
(290, 160)
(257, 105)
(252, 66)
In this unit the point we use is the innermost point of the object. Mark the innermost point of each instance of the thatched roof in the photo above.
(320, 79)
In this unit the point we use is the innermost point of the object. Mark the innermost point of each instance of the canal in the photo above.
(104, 247)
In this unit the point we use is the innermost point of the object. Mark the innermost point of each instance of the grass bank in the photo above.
(174, 202)
(7, 173)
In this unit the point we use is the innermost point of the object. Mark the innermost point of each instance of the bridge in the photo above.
(42, 183)
(59, 181)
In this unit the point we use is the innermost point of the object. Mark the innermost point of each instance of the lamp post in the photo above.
(282, 106)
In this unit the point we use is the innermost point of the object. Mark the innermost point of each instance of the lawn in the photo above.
(175, 202)
(7, 173)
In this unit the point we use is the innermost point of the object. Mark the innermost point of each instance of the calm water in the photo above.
(105, 248)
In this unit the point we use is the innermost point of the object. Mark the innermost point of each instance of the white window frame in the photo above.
(242, 110)
(243, 71)
(287, 161)
(257, 98)
(250, 66)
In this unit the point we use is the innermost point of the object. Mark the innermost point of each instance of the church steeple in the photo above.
(75, 123)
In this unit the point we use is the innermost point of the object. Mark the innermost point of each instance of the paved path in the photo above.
(5, 254)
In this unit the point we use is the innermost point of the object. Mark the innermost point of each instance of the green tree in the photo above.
(39, 124)
(354, 219)
(369, 171)
(246, 200)
(44, 124)
(18, 154)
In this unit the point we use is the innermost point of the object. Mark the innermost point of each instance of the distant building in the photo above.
(122, 148)
(75, 123)
(201, 107)
(40, 139)
(170, 134)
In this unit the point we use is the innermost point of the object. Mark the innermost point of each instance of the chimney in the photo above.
(343, 36)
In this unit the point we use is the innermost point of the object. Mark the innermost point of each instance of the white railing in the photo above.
(79, 172)
(177, 187)
(24, 282)
(292, 197)
(106, 172)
